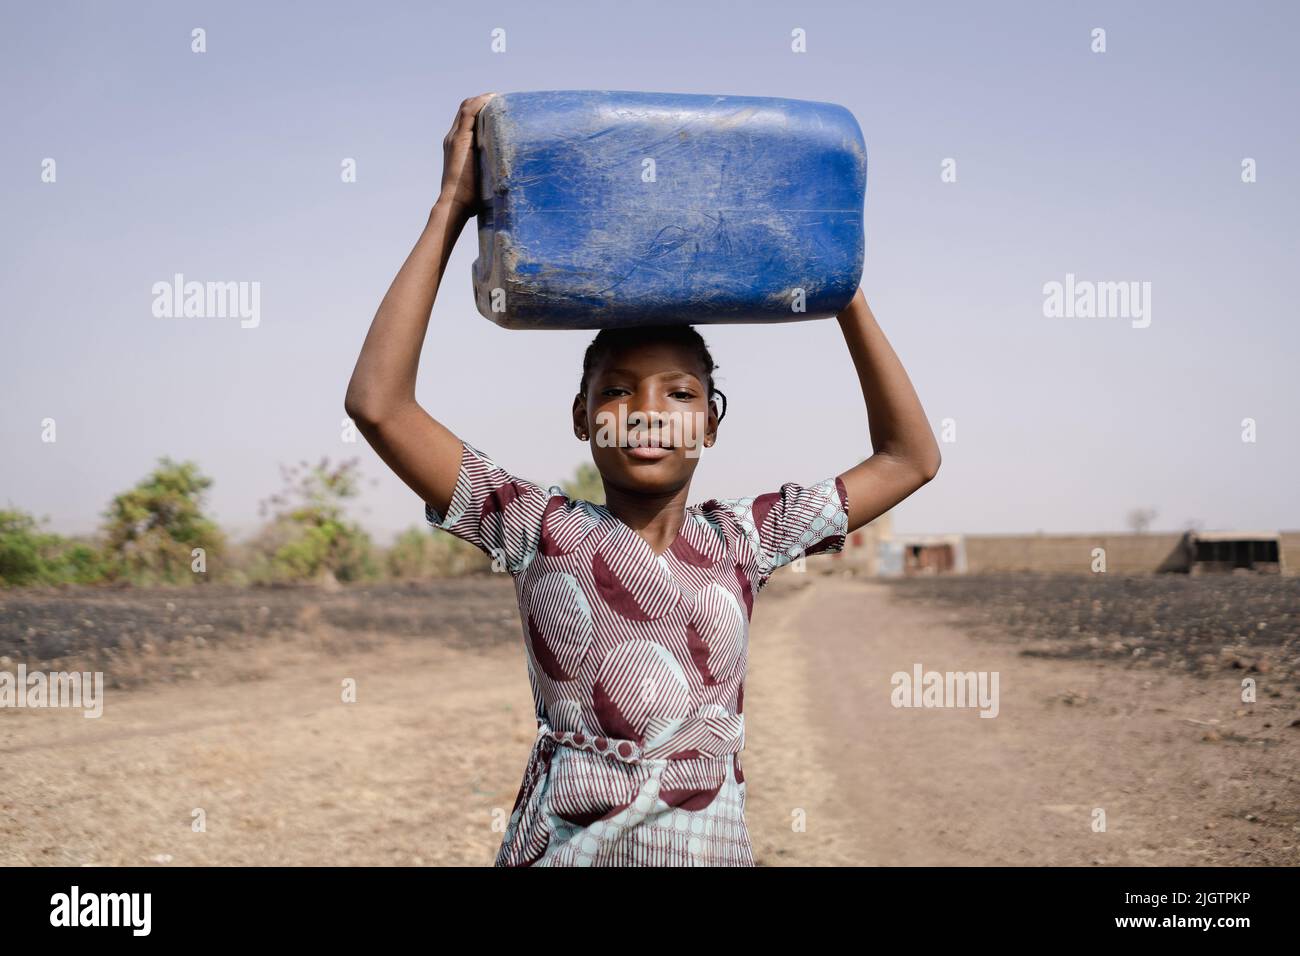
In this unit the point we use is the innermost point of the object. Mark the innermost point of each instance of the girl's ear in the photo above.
(716, 399)
(580, 417)
(711, 426)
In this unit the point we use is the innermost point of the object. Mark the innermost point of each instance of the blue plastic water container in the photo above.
(608, 208)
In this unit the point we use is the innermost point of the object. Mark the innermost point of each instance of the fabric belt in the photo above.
(694, 738)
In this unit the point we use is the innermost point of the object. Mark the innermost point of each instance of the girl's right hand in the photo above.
(459, 168)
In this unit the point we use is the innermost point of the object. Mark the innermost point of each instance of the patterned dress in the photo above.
(637, 662)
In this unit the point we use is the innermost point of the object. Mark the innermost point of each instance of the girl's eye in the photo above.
(683, 394)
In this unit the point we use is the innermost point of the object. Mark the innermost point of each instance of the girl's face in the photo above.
(647, 415)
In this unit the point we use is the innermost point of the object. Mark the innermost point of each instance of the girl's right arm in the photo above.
(381, 394)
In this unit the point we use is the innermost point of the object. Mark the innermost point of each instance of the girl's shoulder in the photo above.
(729, 517)
(576, 514)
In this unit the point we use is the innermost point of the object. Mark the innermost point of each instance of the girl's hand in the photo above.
(459, 168)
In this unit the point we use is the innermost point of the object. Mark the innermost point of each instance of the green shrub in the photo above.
(309, 536)
(151, 531)
(30, 556)
(424, 553)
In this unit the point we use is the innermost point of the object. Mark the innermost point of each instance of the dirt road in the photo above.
(259, 746)
(1180, 778)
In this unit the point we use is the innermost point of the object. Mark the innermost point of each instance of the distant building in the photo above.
(862, 551)
(876, 551)
(1226, 551)
(927, 554)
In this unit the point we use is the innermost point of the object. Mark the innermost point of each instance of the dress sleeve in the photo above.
(796, 520)
(497, 512)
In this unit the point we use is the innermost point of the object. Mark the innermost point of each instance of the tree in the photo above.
(151, 531)
(586, 485)
(21, 547)
(1139, 519)
(420, 554)
(309, 536)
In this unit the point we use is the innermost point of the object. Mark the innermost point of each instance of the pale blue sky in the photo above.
(225, 166)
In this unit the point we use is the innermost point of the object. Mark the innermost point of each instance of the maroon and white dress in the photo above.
(637, 662)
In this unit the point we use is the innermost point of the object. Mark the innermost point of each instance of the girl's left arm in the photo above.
(905, 453)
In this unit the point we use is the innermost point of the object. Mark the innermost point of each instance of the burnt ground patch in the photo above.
(1203, 625)
(89, 627)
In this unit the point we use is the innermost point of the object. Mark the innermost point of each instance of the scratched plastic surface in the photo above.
(606, 209)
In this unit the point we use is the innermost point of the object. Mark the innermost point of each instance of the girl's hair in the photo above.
(608, 341)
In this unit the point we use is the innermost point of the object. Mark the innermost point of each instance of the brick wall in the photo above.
(1124, 552)
(1289, 548)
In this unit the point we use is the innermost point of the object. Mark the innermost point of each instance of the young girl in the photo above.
(635, 613)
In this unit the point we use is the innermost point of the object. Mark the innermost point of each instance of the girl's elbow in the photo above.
(356, 409)
(366, 413)
(928, 467)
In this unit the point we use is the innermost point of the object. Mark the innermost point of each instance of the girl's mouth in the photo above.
(647, 452)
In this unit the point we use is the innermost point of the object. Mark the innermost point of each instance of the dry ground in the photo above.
(222, 707)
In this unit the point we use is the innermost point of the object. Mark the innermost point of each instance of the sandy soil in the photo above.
(1184, 772)
(423, 767)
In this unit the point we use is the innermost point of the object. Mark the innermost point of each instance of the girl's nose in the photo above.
(654, 425)
(646, 417)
